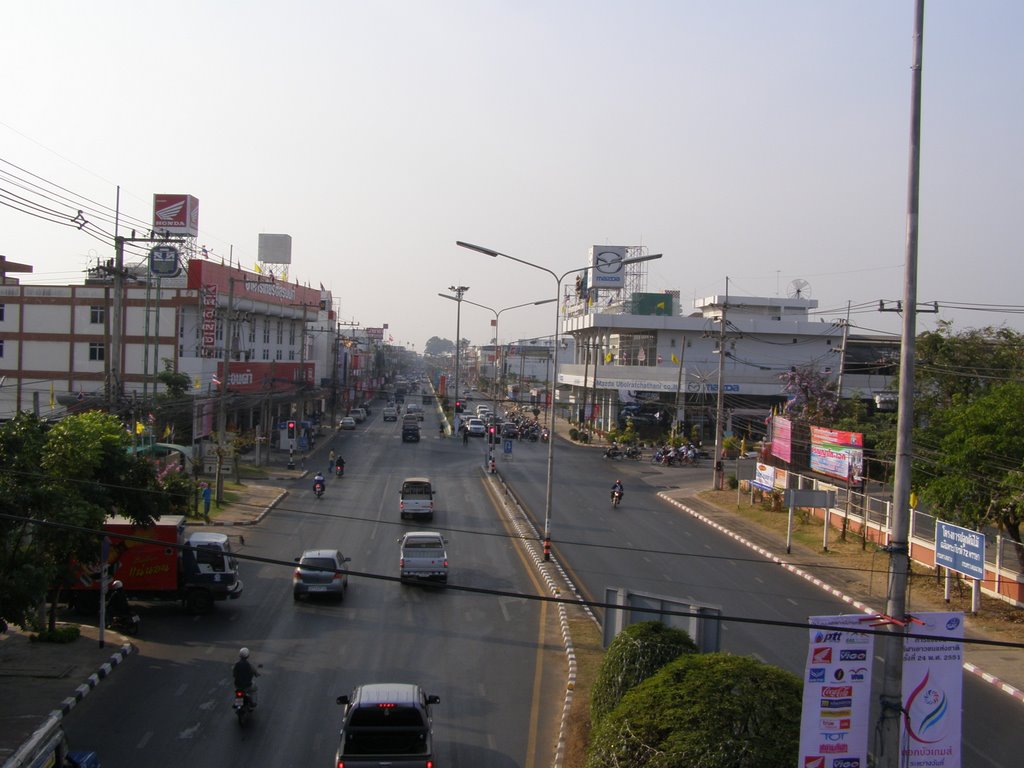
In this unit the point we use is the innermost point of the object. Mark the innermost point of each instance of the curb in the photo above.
(104, 671)
(259, 518)
(1011, 690)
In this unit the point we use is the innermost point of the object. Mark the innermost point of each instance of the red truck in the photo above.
(197, 569)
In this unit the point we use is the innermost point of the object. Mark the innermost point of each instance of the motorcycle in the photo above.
(613, 453)
(544, 436)
(616, 497)
(339, 470)
(129, 623)
(243, 705)
(634, 453)
(318, 489)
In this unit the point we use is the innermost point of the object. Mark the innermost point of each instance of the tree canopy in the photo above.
(72, 474)
(713, 710)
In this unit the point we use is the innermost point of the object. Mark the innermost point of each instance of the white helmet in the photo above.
(118, 584)
(244, 653)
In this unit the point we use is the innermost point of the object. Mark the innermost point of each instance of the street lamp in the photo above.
(497, 315)
(458, 290)
(554, 361)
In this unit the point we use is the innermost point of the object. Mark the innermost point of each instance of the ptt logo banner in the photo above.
(834, 724)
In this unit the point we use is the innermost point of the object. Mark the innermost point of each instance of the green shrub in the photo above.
(65, 634)
(732, 482)
(708, 710)
(574, 434)
(638, 652)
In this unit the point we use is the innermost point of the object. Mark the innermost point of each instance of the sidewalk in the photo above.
(38, 680)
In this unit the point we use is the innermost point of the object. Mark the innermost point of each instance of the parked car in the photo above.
(320, 572)
(347, 423)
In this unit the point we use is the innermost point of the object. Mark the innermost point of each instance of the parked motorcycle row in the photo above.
(614, 451)
(670, 456)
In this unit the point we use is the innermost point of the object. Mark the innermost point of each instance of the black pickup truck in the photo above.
(386, 724)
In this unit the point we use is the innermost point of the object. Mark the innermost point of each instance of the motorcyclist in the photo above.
(617, 486)
(339, 466)
(117, 602)
(244, 674)
(318, 480)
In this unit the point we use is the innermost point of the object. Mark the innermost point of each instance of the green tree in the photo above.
(24, 498)
(437, 346)
(637, 652)
(708, 710)
(969, 467)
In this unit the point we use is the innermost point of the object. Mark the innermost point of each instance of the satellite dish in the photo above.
(798, 289)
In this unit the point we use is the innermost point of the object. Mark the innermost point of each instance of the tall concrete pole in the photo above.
(720, 407)
(116, 327)
(899, 561)
(222, 411)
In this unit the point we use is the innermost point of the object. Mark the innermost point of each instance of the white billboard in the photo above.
(606, 267)
(275, 249)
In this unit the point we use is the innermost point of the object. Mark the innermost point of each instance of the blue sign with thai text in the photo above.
(960, 549)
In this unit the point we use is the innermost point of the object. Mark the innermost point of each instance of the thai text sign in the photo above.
(837, 453)
(960, 549)
(932, 692)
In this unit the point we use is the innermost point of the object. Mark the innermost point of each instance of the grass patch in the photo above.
(587, 640)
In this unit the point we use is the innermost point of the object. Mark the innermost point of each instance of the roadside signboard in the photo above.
(960, 549)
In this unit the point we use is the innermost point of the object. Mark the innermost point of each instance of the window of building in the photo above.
(266, 330)
(97, 350)
(252, 332)
(97, 315)
(1, 346)
(291, 334)
(266, 353)
(280, 331)
(3, 309)
(291, 354)
(279, 355)
(220, 330)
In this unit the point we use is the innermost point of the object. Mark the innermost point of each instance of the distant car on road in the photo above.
(390, 414)
(347, 423)
(476, 427)
(423, 557)
(320, 572)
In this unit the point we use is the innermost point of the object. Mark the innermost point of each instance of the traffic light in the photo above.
(291, 430)
(492, 434)
(458, 406)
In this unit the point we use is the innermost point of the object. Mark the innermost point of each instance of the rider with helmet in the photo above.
(617, 486)
(244, 674)
(117, 602)
(318, 482)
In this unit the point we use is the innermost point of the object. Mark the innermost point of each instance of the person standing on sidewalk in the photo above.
(330, 461)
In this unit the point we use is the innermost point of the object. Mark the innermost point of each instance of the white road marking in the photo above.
(144, 740)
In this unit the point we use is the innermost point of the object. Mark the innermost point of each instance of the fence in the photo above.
(870, 516)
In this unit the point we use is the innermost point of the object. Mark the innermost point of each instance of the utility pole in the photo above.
(459, 291)
(222, 413)
(720, 408)
(899, 560)
(679, 387)
(842, 355)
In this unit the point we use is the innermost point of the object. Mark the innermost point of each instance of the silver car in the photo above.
(320, 572)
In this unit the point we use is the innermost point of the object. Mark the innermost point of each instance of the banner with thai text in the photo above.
(837, 453)
(932, 692)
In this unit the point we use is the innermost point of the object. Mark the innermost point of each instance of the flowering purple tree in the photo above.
(813, 396)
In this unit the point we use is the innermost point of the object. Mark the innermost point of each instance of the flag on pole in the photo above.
(257, 269)
(675, 359)
(216, 380)
(196, 383)
(608, 357)
(168, 431)
(139, 428)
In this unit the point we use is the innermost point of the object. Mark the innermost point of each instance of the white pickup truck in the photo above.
(423, 557)
(416, 498)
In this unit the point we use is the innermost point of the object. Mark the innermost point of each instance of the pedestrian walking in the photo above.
(465, 435)
(330, 461)
(207, 497)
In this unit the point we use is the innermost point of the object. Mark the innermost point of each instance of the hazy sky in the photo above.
(763, 141)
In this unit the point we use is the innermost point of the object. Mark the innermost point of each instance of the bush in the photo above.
(638, 652)
(732, 482)
(712, 710)
(574, 434)
(65, 634)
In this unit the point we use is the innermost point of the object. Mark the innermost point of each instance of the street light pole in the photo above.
(554, 361)
(459, 291)
(497, 316)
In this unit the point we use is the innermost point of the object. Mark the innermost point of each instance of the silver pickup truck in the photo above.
(423, 557)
